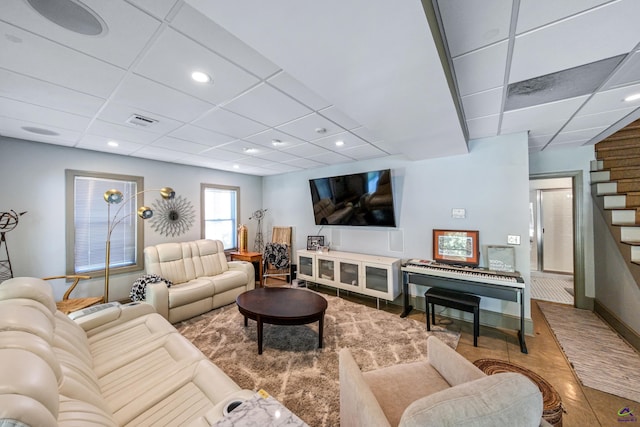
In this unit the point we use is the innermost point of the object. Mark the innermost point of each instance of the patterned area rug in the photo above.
(601, 359)
(292, 369)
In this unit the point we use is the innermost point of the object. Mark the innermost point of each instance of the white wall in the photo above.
(570, 160)
(33, 180)
(491, 183)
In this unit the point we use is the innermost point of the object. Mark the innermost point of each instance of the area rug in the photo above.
(292, 369)
(600, 358)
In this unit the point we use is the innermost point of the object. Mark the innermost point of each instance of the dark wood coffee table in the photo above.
(282, 306)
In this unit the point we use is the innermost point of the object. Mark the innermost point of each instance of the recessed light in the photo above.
(112, 144)
(633, 97)
(277, 143)
(250, 150)
(236, 166)
(201, 77)
(339, 143)
(321, 130)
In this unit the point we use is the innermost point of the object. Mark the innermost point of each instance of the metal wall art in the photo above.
(172, 217)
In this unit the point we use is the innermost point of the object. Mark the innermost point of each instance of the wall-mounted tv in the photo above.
(359, 199)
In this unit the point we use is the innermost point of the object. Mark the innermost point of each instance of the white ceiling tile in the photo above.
(187, 56)
(297, 90)
(627, 74)
(306, 127)
(120, 45)
(365, 134)
(200, 28)
(284, 168)
(483, 127)
(540, 140)
(180, 145)
(577, 135)
(51, 62)
(305, 163)
(228, 123)
(471, 24)
(583, 121)
(158, 8)
(536, 13)
(572, 144)
(601, 33)
(305, 150)
(29, 112)
(100, 143)
(611, 100)
(201, 136)
(255, 161)
(157, 153)
(120, 113)
(482, 69)
(362, 152)
(540, 116)
(27, 89)
(267, 137)
(137, 91)
(116, 132)
(13, 128)
(222, 155)
(278, 156)
(348, 139)
(338, 117)
(267, 105)
(331, 158)
(245, 148)
(482, 104)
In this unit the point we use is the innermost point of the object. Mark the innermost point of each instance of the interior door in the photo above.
(557, 230)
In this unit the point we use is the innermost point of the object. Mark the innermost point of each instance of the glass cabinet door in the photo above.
(326, 269)
(305, 266)
(376, 278)
(349, 273)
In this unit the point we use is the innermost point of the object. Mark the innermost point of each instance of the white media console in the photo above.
(370, 275)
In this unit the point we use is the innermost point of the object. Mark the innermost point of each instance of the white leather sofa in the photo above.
(202, 278)
(120, 366)
(444, 390)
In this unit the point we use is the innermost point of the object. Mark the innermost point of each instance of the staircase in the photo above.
(615, 186)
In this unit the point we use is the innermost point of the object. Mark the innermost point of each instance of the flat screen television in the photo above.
(459, 247)
(359, 199)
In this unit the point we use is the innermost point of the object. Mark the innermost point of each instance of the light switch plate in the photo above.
(458, 213)
(513, 239)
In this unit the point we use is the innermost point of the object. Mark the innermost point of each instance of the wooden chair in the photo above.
(68, 305)
(279, 236)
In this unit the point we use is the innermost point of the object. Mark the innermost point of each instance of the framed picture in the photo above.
(313, 242)
(501, 258)
(456, 247)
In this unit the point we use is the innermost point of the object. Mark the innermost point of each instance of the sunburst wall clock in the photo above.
(172, 217)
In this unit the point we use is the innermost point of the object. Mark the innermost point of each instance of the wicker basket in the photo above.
(551, 402)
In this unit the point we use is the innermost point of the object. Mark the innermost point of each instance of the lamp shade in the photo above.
(113, 196)
(167, 193)
(145, 212)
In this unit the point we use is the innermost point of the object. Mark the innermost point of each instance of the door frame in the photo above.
(579, 300)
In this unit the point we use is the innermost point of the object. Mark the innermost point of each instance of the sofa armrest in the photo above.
(503, 399)
(112, 316)
(157, 294)
(358, 405)
(451, 365)
(246, 267)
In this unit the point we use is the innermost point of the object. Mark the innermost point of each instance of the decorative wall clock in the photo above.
(172, 217)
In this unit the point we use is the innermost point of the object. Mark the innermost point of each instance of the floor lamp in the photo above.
(116, 197)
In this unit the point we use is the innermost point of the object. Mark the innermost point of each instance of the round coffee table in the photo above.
(282, 306)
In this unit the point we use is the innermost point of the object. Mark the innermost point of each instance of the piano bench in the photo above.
(453, 299)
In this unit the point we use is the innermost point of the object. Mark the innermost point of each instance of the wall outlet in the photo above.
(513, 240)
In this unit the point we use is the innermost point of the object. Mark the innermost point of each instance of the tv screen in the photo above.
(360, 199)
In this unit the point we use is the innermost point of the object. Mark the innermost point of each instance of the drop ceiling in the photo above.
(292, 79)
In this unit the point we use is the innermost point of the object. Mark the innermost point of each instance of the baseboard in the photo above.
(491, 319)
(617, 324)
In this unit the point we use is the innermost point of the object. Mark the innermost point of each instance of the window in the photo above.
(88, 219)
(220, 212)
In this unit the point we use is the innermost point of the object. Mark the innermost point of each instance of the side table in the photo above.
(252, 257)
(261, 410)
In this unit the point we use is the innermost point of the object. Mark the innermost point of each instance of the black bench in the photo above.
(453, 299)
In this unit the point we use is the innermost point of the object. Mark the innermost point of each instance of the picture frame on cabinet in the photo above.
(314, 242)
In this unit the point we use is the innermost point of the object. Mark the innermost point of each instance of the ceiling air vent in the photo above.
(139, 120)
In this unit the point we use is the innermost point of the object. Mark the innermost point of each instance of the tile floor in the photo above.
(552, 287)
(584, 406)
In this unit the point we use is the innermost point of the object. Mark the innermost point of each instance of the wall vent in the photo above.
(139, 120)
